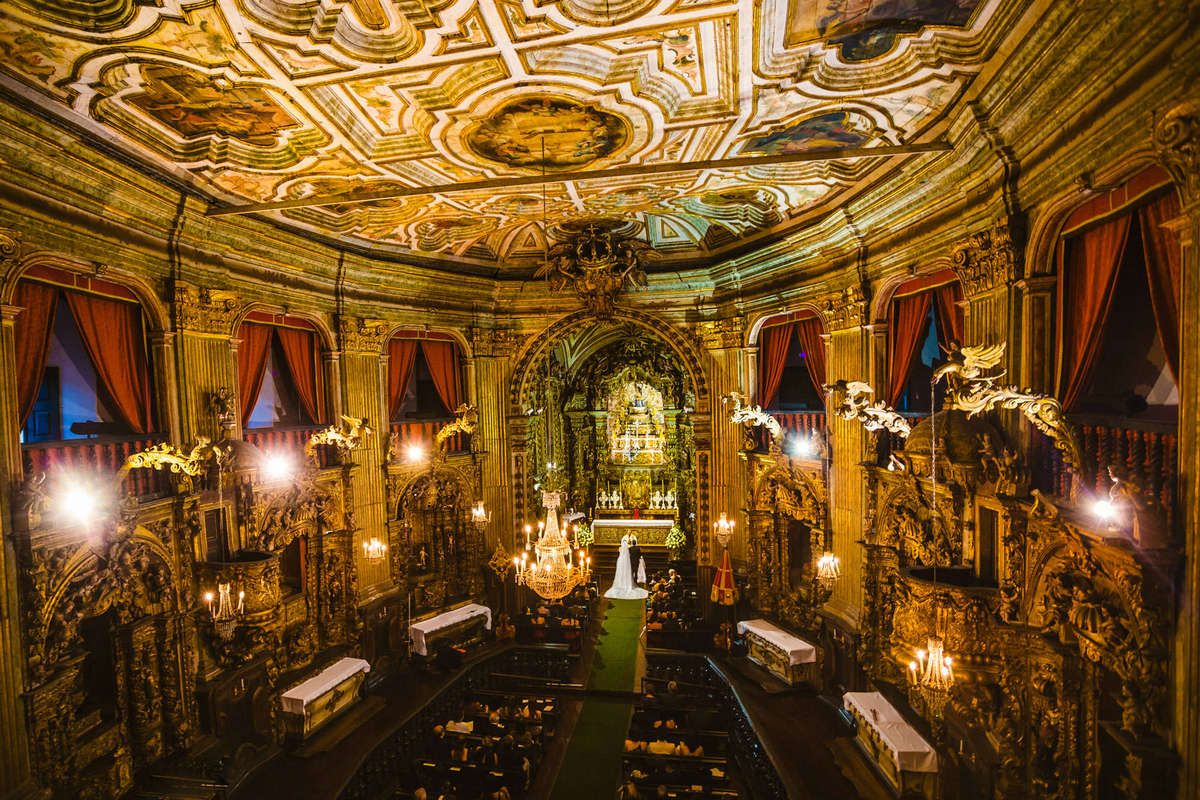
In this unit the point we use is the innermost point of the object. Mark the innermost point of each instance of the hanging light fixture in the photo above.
(374, 549)
(723, 528)
(553, 572)
(931, 673)
(480, 516)
(225, 615)
(829, 569)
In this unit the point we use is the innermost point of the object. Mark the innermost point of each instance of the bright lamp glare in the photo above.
(802, 447)
(1105, 510)
(277, 468)
(80, 504)
(415, 452)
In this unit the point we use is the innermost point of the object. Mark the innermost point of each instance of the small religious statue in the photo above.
(422, 559)
(656, 500)
(669, 499)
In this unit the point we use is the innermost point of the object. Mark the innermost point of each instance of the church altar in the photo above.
(902, 755)
(783, 654)
(648, 531)
(319, 699)
(454, 627)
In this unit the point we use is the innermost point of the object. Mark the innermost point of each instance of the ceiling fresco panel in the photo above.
(285, 100)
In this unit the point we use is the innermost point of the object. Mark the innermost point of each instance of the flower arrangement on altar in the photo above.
(676, 539)
(583, 535)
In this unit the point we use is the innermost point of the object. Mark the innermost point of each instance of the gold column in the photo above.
(359, 385)
(206, 353)
(724, 339)
(15, 779)
(492, 374)
(1177, 139)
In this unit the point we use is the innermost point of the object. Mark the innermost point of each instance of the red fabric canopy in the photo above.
(402, 355)
(32, 335)
(1164, 266)
(906, 322)
(112, 335)
(809, 332)
(300, 352)
(252, 364)
(771, 359)
(442, 360)
(724, 591)
(1086, 280)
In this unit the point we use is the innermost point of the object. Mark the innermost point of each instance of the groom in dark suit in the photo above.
(635, 557)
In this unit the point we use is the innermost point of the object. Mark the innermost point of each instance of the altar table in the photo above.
(648, 531)
(323, 696)
(781, 653)
(422, 631)
(902, 755)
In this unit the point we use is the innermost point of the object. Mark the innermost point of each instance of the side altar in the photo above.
(322, 697)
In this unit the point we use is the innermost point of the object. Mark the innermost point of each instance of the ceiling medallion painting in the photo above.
(550, 132)
(281, 101)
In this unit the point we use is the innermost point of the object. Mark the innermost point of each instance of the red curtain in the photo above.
(951, 320)
(1164, 265)
(112, 334)
(402, 355)
(809, 332)
(772, 356)
(252, 365)
(1085, 289)
(300, 352)
(442, 360)
(32, 333)
(906, 322)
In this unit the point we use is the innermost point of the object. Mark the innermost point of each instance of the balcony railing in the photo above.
(795, 423)
(423, 432)
(1147, 452)
(291, 440)
(99, 457)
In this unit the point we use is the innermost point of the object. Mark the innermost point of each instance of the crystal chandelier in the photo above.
(374, 549)
(552, 572)
(225, 616)
(724, 529)
(480, 516)
(829, 569)
(932, 674)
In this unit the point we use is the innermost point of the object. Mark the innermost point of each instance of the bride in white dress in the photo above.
(623, 587)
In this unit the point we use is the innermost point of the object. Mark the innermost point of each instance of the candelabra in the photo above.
(224, 615)
(932, 674)
(480, 517)
(829, 569)
(552, 572)
(723, 528)
(374, 549)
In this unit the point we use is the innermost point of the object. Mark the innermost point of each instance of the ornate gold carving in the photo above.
(496, 342)
(985, 260)
(204, 310)
(751, 417)
(723, 333)
(598, 266)
(1177, 140)
(465, 419)
(349, 437)
(9, 243)
(175, 460)
(844, 309)
(360, 335)
(855, 404)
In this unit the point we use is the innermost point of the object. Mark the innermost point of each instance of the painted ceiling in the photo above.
(267, 100)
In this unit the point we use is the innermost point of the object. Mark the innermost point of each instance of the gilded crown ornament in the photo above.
(598, 266)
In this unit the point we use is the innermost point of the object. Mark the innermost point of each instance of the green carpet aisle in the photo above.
(592, 763)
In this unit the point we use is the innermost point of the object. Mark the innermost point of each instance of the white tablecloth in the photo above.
(798, 650)
(294, 700)
(419, 630)
(912, 753)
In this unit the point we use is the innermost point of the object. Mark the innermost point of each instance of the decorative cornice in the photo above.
(204, 310)
(1177, 140)
(495, 342)
(844, 309)
(358, 335)
(985, 260)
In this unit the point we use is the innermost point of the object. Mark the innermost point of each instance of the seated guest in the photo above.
(420, 794)
(628, 791)
(439, 747)
(459, 753)
(661, 791)
(661, 747)
(632, 747)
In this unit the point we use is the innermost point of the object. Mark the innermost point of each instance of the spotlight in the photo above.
(802, 447)
(415, 453)
(276, 467)
(1104, 510)
(80, 504)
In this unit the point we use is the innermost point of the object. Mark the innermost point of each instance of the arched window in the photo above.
(791, 371)
(924, 317)
(84, 390)
(425, 384)
(280, 381)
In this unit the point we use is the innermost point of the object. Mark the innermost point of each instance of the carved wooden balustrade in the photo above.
(423, 432)
(99, 456)
(292, 440)
(1146, 451)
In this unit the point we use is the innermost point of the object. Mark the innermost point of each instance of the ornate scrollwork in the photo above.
(359, 335)
(855, 404)
(204, 310)
(349, 437)
(1177, 140)
(185, 465)
(466, 417)
(598, 266)
(742, 413)
(985, 260)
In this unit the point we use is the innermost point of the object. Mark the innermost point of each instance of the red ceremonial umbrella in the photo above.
(724, 592)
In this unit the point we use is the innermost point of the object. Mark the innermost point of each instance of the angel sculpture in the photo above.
(968, 369)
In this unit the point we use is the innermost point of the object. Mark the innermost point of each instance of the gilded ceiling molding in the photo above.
(1177, 141)
(985, 260)
(844, 309)
(496, 342)
(198, 309)
(720, 334)
(358, 335)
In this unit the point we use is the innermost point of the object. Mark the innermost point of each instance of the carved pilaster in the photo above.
(1177, 140)
(495, 343)
(723, 333)
(359, 335)
(986, 260)
(199, 309)
(847, 308)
